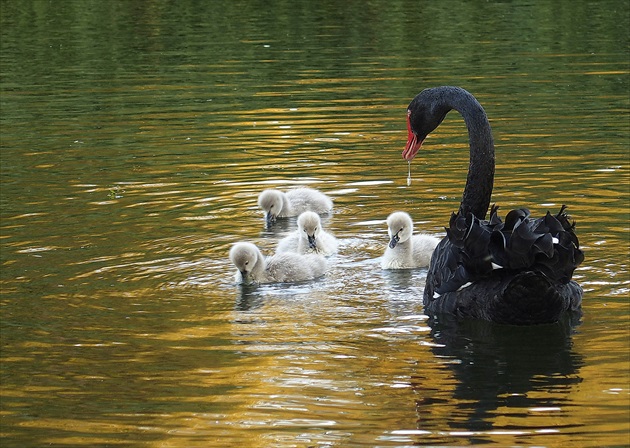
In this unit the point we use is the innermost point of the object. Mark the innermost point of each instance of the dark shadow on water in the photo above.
(278, 228)
(253, 296)
(496, 367)
(403, 279)
(249, 298)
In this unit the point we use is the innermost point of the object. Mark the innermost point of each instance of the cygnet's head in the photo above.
(244, 256)
(271, 202)
(310, 224)
(399, 228)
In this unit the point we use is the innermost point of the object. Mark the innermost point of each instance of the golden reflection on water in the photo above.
(123, 190)
(184, 357)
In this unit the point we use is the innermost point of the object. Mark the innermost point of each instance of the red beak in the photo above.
(413, 144)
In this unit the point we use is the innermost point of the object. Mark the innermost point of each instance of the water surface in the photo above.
(136, 137)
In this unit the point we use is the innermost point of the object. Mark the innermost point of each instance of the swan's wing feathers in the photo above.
(548, 224)
(521, 246)
(476, 256)
(455, 239)
(561, 265)
(544, 245)
(566, 254)
(476, 250)
(281, 267)
(463, 255)
(578, 257)
(498, 248)
(495, 220)
(451, 258)
(514, 218)
(446, 272)
(477, 238)
(293, 267)
(457, 279)
(457, 229)
(496, 224)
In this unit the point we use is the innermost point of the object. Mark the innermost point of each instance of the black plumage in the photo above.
(517, 270)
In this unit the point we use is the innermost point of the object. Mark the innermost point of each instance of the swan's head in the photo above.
(309, 224)
(271, 203)
(399, 228)
(425, 113)
(244, 256)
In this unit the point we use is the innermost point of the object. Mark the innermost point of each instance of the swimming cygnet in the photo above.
(309, 237)
(406, 250)
(253, 267)
(277, 204)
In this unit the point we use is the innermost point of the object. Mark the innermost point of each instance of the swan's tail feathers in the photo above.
(568, 226)
(564, 217)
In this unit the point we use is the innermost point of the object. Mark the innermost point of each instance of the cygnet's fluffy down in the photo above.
(253, 267)
(406, 250)
(309, 237)
(277, 204)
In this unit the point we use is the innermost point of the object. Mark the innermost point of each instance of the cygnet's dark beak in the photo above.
(394, 241)
(311, 242)
(270, 218)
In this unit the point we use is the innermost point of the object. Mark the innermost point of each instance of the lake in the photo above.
(136, 137)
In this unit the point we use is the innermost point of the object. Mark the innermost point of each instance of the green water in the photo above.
(135, 138)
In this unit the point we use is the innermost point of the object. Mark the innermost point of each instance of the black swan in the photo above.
(513, 272)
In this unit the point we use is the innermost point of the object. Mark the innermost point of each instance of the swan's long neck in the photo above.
(478, 189)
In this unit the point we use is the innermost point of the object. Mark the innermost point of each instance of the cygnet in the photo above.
(406, 250)
(309, 237)
(253, 267)
(277, 204)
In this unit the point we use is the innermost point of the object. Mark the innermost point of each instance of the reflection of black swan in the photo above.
(518, 271)
(499, 372)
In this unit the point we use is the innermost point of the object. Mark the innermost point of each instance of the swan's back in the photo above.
(308, 199)
(294, 267)
(518, 271)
